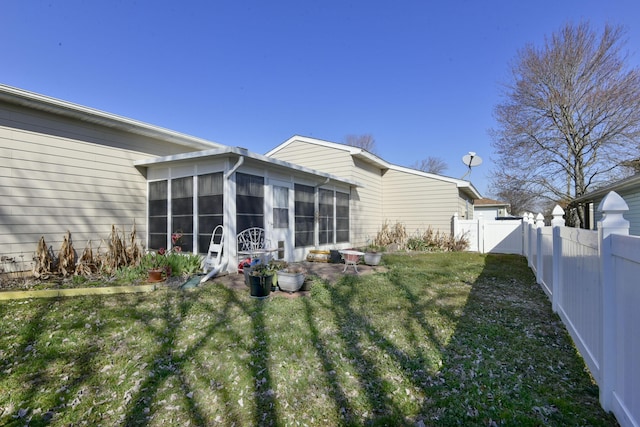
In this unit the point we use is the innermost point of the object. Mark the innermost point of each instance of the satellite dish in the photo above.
(471, 160)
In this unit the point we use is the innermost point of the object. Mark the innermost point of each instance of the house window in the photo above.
(249, 201)
(325, 216)
(182, 211)
(280, 207)
(342, 217)
(157, 214)
(304, 215)
(210, 207)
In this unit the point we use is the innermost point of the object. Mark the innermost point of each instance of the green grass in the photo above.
(440, 339)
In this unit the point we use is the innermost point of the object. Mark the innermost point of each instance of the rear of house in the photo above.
(384, 191)
(67, 167)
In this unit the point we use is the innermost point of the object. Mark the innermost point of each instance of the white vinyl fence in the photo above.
(504, 236)
(593, 281)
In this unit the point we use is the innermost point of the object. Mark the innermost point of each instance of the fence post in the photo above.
(480, 234)
(455, 224)
(539, 263)
(612, 207)
(556, 264)
(527, 231)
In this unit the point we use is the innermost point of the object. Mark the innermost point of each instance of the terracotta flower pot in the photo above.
(155, 275)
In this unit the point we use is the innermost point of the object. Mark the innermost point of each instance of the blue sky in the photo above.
(422, 77)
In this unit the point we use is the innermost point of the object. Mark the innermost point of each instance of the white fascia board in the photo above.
(90, 115)
(226, 151)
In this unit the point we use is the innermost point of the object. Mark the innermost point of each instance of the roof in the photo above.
(623, 184)
(371, 158)
(227, 151)
(489, 202)
(44, 103)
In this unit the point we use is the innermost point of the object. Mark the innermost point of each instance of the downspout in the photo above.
(323, 183)
(227, 176)
(234, 168)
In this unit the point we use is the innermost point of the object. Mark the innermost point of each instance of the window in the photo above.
(342, 217)
(249, 201)
(182, 211)
(304, 215)
(325, 216)
(210, 207)
(280, 207)
(157, 215)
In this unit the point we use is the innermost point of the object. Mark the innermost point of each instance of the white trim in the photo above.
(226, 151)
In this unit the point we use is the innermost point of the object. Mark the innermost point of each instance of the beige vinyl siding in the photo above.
(419, 202)
(366, 202)
(465, 207)
(315, 156)
(59, 174)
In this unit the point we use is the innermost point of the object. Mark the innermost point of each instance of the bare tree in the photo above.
(431, 164)
(364, 141)
(571, 116)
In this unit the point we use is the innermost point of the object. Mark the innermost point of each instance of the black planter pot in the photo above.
(260, 286)
(335, 257)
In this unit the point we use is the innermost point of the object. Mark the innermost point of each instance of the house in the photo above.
(490, 209)
(628, 189)
(385, 192)
(69, 167)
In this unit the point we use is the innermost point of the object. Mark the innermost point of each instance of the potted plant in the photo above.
(261, 280)
(373, 254)
(291, 278)
(157, 266)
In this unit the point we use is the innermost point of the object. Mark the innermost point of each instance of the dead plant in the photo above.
(118, 254)
(43, 260)
(391, 235)
(66, 256)
(87, 264)
(134, 252)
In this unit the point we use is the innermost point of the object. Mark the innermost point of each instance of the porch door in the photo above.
(281, 220)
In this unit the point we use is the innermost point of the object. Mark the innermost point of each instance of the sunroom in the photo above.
(299, 208)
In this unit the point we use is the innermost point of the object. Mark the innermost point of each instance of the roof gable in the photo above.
(371, 158)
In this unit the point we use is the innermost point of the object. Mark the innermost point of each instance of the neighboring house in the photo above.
(69, 167)
(490, 209)
(628, 189)
(385, 192)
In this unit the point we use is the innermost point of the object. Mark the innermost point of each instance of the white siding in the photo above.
(57, 174)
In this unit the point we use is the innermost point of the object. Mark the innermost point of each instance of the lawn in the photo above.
(439, 339)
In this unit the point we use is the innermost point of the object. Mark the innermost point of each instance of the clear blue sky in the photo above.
(422, 77)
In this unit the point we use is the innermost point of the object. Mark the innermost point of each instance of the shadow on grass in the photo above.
(438, 340)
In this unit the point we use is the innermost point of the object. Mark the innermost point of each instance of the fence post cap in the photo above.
(613, 202)
(612, 208)
(557, 214)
